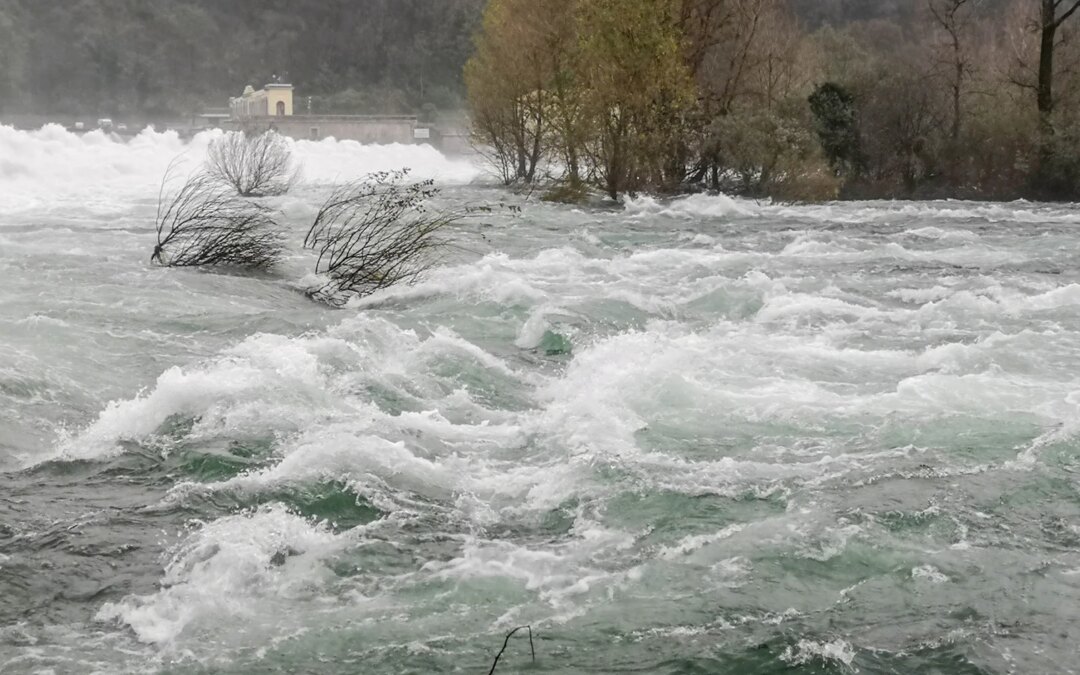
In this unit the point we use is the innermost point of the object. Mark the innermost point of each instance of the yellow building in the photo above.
(274, 100)
(271, 108)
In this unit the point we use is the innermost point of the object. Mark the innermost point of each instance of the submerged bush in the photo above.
(205, 223)
(255, 165)
(374, 233)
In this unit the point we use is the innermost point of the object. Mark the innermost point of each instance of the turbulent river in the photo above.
(698, 435)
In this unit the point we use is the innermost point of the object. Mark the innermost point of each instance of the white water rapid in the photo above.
(688, 435)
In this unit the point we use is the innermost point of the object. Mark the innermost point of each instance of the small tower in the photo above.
(275, 100)
(279, 100)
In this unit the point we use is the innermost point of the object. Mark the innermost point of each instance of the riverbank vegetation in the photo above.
(253, 164)
(939, 98)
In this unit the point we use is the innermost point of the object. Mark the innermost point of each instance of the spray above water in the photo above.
(53, 167)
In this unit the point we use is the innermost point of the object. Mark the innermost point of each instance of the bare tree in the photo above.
(1051, 20)
(205, 224)
(954, 18)
(255, 165)
(374, 233)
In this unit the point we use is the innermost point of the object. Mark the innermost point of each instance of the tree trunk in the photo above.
(958, 86)
(1045, 95)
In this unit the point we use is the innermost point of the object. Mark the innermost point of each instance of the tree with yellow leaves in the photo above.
(637, 91)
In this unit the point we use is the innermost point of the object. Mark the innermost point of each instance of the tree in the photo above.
(834, 110)
(1053, 14)
(743, 54)
(506, 83)
(520, 85)
(901, 125)
(637, 89)
(255, 165)
(953, 17)
(12, 54)
(1058, 172)
(205, 224)
(372, 234)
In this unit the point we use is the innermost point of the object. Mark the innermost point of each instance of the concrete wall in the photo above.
(362, 128)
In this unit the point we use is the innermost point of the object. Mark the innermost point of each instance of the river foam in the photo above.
(657, 432)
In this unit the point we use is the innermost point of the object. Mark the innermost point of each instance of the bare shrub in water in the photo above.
(374, 233)
(255, 165)
(205, 223)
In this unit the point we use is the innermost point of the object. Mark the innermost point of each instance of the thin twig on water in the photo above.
(506, 642)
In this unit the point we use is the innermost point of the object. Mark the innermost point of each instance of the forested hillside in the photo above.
(156, 57)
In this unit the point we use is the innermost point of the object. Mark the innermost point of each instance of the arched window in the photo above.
(281, 108)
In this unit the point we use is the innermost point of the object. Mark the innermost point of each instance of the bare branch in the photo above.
(374, 233)
(205, 224)
(1069, 12)
(506, 642)
(256, 165)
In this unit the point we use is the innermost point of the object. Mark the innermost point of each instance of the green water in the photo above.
(697, 436)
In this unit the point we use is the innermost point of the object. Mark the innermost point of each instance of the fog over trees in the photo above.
(167, 57)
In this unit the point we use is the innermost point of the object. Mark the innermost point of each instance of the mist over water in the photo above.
(675, 436)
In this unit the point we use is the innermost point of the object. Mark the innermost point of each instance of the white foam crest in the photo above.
(937, 233)
(929, 573)
(993, 300)
(560, 575)
(266, 383)
(37, 320)
(1064, 296)
(1065, 433)
(792, 306)
(692, 543)
(341, 453)
(452, 449)
(809, 651)
(444, 341)
(271, 384)
(895, 211)
(217, 576)
(985, 393)
(921, 296)
(537, 325)
(588, 407)
(479, 468)
(618, 391)
(384, 352)
(808, 247)
(692, 206)
(951, 357)
(654, 281)
(493, 278)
